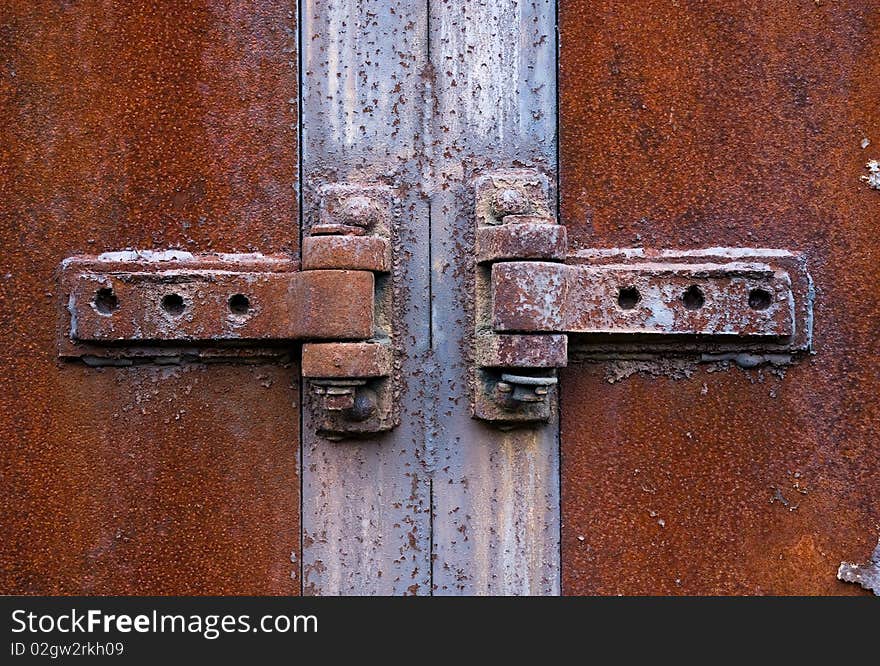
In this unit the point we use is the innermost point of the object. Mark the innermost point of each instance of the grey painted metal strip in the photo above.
(366, 504)
(495, 494)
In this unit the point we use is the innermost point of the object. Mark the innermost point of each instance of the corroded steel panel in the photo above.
(143, 125)
(730, 123)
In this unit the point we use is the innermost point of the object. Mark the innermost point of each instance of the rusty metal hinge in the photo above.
(353, 385)
(532, 295)
(121, 308)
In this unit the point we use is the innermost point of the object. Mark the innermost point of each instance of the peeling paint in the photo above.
(366, 504)
(873, 177)
(495, 494)
(866, 575)
(616, 371)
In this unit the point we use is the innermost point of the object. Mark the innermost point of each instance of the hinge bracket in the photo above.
(534, 299)
(121, 308)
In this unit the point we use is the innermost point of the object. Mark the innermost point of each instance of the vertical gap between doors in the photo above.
(559, 219)
(430, 319)
(298, 12)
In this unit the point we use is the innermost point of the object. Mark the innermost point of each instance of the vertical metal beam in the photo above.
(366, 504)
(495, 494)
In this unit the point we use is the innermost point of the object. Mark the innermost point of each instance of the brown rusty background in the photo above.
(146, 125)
(693, 124)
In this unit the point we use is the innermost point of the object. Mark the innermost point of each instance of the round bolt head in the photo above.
(509, 201)
(359, 211)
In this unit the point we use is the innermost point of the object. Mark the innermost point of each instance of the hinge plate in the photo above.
(121, 300)
(713, 300)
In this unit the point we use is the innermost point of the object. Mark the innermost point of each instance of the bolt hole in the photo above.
(628, 298)
(106, 301)
(693, 298)
(173, 304)
(760, 299)
(239, 304)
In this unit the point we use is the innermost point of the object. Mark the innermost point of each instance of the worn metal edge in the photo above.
(171, 353)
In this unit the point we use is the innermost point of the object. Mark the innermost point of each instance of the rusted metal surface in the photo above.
(492, 106)
(180, 301)
(134, 124)
(530, 296)
(724, 124)
(346, 359)
(171, 480)
(366, 504)
(532, 395)
(734, 299)
(539, 238)
(521, 351)
(364, 253)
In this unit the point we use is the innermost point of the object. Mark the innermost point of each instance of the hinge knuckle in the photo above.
(352, 384)
(353, 360)
(360, 253)
(529, 296)
(332, 305)
(537, 240)
(506, 350)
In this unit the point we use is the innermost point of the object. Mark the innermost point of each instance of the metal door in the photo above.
(441, 453)
(693, 125)
(176, 128)
(149, 126)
